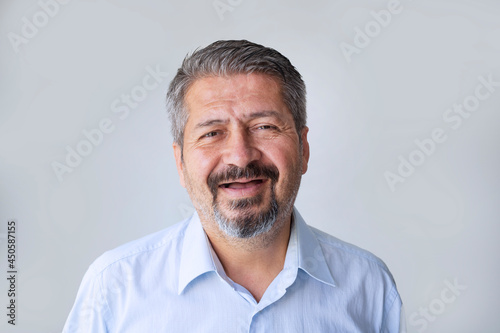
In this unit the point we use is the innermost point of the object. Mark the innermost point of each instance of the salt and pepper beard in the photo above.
(249, 224)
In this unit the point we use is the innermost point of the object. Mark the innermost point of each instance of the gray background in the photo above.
(439, 226)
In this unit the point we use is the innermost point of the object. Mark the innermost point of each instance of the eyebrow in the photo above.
(210, 123)
(254, 115)
(264, 114)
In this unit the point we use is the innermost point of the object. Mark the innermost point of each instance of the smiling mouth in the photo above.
(242, 184)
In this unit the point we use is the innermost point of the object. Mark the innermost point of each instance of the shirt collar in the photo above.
(304, 252)
(196, 258)
(311, 258)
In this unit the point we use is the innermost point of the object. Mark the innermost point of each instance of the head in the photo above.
(238, 118)
(224, 58)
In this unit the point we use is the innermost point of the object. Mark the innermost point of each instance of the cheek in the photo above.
(283, 156)
(289, 165)
(201, 165)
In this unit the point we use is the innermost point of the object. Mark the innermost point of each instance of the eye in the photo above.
(266, 127)
(210, 134)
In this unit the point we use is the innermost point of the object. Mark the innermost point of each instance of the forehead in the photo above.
(234, 91)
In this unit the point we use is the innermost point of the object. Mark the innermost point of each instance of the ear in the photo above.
(178, 163)
(305, 149)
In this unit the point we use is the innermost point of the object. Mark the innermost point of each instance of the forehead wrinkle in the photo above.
(211, 122)
(263, 114)
(230, 89)
(228, 100)
(251, 116)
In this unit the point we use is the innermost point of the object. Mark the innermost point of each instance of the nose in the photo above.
(239, 150)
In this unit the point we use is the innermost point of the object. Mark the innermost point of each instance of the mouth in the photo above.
(243, 184)
(236, 183)
(243, 188)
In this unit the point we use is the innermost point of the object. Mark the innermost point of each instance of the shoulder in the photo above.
(345, 259)
(149, 247)
(347, 249)
(362, 280)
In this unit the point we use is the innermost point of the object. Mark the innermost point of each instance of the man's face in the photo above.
(241, 162)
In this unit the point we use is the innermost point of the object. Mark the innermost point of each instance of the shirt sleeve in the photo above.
(395, 321)
(90, 312)
(402, 320)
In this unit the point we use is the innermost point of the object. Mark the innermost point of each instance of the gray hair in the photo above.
(224, 58)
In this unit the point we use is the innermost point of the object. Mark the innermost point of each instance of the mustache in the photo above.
(232, 173)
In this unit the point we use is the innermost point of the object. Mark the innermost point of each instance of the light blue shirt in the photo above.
(172, 281)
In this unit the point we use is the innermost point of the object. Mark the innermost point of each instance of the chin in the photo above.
(247, 222)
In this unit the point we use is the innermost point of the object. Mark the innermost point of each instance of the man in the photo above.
(246, 261)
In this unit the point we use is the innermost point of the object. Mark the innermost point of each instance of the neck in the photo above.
(252, 263)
